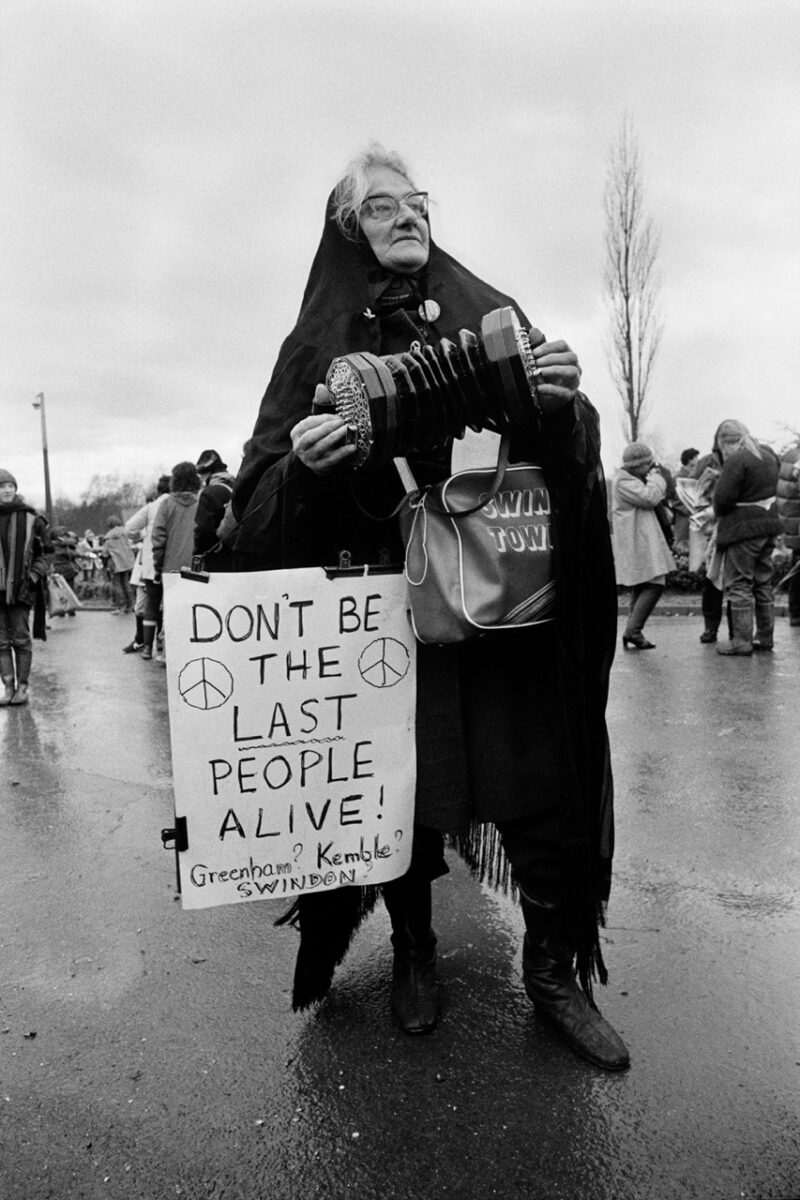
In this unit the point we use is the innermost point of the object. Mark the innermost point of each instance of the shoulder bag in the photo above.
(478, 551)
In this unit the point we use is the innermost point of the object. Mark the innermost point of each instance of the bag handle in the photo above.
(413, 490)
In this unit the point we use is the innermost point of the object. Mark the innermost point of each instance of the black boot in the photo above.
(549, 977)
(711, 608)
(414, 993)
(148, 637)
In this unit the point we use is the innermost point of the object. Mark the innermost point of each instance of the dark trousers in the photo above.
(123, 594)
(153, 596)
(748, 572)
(15, 633)
(711, 604)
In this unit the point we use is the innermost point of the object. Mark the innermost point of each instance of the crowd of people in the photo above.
(176, 527)
(726, 511)
(43, 568)
(510, 730)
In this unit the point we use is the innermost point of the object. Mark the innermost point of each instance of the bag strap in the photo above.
(414, 492)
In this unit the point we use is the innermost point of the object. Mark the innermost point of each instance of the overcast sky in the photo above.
(166, 164)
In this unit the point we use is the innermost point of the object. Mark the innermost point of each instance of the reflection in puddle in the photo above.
(757, 904)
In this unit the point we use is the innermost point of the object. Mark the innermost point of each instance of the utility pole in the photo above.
(48, 502)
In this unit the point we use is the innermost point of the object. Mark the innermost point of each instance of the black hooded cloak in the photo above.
(510, 723)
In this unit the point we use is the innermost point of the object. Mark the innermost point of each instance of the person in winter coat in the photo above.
(173, 527)
(789, 514)
(747, 525)
(120, 558)
(89, 559)
(534, 788)
(64, 559)
(211, 504)
(23, 569)
(149, 618)
(642, 557)
(63, 563)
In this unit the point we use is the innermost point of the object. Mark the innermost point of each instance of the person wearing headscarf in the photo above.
(642, 556)
(513, 760)
(744, 502)
(23, 570)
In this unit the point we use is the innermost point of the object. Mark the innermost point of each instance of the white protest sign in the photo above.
(292, 707)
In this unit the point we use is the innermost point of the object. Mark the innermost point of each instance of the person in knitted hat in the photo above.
(214, 498)
(641, 554)
(209, 463)
(23, 569)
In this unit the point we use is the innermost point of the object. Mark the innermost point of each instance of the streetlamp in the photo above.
(48, 503)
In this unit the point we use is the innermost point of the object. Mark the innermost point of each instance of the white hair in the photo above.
(351, 190)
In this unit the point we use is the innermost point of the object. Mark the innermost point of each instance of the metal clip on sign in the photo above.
(196, 571)
(176, 839)
(345, 566)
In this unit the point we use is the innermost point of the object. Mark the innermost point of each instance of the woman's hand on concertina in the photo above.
(318, 440)
(558, 372)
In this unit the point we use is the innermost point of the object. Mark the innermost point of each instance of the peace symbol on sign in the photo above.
(205, 683)
(384, 662)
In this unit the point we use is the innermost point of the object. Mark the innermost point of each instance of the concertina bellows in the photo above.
(478, 544)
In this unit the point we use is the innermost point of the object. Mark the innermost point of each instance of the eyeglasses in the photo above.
(386, 208)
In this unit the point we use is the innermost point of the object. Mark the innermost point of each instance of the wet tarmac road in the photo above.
(147, 1052)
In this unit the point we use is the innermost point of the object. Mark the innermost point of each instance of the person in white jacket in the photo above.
(642, 557)
(148, 595)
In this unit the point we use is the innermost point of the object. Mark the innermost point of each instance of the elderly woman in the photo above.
(641, 554)
(747, 525)
(511, 726)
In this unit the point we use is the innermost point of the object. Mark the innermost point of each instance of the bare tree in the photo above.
(114, 490)
(631, 280)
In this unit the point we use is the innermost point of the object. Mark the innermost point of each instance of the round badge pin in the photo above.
(429, 310)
